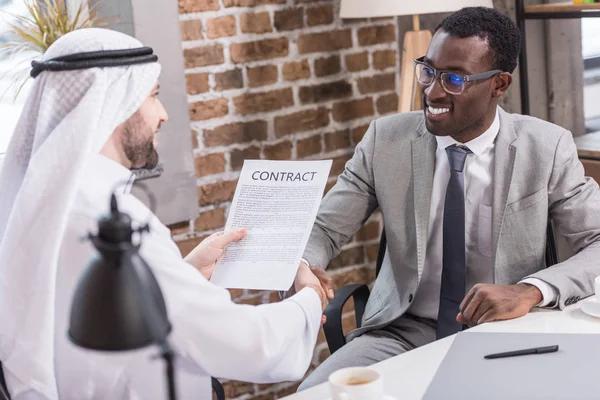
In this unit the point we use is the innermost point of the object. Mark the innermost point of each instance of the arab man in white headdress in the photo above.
(80, 133)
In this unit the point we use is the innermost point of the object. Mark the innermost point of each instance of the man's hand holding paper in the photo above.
(277, 201)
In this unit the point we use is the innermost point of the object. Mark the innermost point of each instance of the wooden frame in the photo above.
(414, 46)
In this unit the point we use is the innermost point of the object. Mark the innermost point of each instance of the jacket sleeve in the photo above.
(346, 206)
(574, 202)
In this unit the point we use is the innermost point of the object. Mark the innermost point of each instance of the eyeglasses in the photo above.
(452, 83)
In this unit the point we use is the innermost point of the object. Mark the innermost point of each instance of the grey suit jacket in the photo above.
(536, 174)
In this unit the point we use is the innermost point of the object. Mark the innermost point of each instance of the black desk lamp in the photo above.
(118, 304)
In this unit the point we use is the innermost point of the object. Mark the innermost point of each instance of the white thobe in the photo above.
(212, 336)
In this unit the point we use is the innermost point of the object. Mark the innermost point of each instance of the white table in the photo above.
(408, 375)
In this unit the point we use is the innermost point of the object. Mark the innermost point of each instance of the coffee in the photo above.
(356, 381)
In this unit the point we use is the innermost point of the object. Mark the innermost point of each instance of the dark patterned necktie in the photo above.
(454, 266)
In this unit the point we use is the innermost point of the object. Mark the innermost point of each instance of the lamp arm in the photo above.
(166, 351)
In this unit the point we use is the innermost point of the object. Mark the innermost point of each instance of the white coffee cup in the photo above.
(597, 288)
(356, 383)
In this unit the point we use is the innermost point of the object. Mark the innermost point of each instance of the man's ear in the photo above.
(502, 82)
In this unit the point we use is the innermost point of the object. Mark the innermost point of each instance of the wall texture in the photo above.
(281, 79)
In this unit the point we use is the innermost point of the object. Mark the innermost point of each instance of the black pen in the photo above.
(524, 352)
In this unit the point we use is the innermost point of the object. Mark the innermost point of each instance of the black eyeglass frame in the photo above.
(465, 78)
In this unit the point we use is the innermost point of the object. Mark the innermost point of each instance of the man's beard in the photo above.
(138, 143)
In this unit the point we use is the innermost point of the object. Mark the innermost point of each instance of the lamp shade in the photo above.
(117, 304)
(388, 8)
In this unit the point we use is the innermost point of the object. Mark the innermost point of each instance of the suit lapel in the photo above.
(504, 161)
(423, 165)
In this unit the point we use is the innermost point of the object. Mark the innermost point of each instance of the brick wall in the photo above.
(281, 79)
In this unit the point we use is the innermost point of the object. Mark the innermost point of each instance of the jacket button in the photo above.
(410, 298)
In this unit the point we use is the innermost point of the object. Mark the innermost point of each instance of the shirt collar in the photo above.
(477, 145)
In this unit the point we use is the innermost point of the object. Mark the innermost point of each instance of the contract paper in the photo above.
(277, 202)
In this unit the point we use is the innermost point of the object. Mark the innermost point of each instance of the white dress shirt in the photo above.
(478, 173)
(212, 336)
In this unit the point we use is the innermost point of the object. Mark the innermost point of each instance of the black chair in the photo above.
(360, 293)
(218, 389)
(3, 389)
(216, 386)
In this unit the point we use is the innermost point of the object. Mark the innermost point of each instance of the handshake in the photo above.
(204, 258)
(317, 279)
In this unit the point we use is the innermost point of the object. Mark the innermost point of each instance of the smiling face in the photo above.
(468, 115)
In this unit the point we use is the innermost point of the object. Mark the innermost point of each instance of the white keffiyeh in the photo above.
(68, 117)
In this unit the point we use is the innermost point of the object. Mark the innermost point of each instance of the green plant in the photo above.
(45, 21)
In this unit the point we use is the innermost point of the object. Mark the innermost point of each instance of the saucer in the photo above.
(591, 307)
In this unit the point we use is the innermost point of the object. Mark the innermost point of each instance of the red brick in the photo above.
(194, 6)
(238, 156)
(327, 66)
(221, 27)
(240, 132)
(231, 79)
(216, 192)
(252, 103)
(325, 91)
(371, 35)
(186, 246)
(369, 231)
(372, 251)
(256, 23)
(191, 30)
(359, 132)
(203, 56)
(301, 121)
(210, 164)
(213, 219)
(308, 147)
(357, 62)
(348, 257)
(377, 83)
(279, 151)
(250, 3)
(325, 41)
(290, 19)
(387, 103)
(179, 228)
(197, 83)
(262, 76)
(292, 71)
(235, 389)
(321, 15)
(354, 109)
(337, 140)
(383, 59)
(204, 110)
(259, 50)
(354, 21)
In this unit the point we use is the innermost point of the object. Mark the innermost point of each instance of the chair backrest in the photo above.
(551, 251)
(4, 395)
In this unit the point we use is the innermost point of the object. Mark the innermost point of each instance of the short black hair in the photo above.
(501, 33)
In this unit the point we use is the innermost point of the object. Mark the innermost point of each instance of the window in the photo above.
(10, 107)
